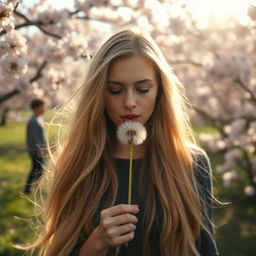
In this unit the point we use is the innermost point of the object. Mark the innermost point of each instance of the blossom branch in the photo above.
(9, 95)
(39, 72)
(248, 167)
(16, 91)
(217, 123)
(243, 86)
(35, 23)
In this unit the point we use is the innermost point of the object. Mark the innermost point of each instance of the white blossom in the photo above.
(75, 46)
(6, 11)
(54, 50)
(131, 132)
(249, 191)
(230, 161)
(177, 25)
(236, 67)
(229, 178)
(52, 16)
(23, 83)
(14, 43)
(212, 141)
(252, 13)
(13, 67)
(236, 129)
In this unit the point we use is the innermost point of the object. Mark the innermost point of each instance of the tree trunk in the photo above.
(4, 115)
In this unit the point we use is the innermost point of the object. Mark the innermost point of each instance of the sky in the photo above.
(202, 10)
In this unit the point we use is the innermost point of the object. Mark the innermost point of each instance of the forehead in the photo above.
(135, 66)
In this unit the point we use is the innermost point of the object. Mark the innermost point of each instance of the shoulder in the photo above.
(201, 165)
(200, 157)
(33, 121)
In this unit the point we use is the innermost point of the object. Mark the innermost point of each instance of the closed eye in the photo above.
(114, 91)
(142, 90)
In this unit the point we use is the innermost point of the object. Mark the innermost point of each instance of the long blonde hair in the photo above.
(84, 169)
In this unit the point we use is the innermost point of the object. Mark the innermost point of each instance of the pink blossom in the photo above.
(6, 11)
(230, 161)
(249, 191)
(237, 67)
(252, 13)
(54, 78)
(236, 129)
(4, 47)
(13, 67)
(10, 27)
(74, 45)
(52, 16)
(212, 141)
(178, 25)
(232, 155)
(225, 167)
(85, 5)
(54, 50)
(229, 178)
(23, 83)
(14, 43)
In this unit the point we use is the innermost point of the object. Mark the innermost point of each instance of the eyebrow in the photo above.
(137, 82)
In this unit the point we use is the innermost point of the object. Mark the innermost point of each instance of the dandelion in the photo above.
(132, 133)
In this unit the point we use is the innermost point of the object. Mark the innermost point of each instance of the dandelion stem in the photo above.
(130, 175)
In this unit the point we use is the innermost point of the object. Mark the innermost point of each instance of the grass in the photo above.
(236, 222)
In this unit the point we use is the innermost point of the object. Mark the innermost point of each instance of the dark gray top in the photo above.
(205, 245)
(35, 136)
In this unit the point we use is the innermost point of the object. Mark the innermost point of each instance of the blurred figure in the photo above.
(35, 138)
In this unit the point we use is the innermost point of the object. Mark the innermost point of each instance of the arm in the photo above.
(93, 246)
(116, 227)
(206, 244)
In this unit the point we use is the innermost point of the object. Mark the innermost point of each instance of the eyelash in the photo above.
(142, 91)
(114, 91)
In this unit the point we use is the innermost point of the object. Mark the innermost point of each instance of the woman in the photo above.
(87, 211)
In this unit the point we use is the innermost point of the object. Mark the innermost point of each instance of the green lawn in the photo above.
(236, 232)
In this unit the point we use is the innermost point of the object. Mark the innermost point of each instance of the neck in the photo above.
(123, 151)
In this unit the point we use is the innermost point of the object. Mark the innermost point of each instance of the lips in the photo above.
(130, 117)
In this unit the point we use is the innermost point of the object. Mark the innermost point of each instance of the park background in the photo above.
(211, 45)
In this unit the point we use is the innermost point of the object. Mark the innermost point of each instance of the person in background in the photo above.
(36, 144)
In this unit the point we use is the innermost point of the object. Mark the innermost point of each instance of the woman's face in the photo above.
(131, 90)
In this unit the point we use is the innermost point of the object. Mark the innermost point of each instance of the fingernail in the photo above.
(137, 208)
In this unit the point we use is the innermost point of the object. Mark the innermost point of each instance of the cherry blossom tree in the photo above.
(44, 51)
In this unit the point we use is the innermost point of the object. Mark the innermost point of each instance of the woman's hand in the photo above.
(117, 225)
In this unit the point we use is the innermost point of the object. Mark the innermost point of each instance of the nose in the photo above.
(130, 100)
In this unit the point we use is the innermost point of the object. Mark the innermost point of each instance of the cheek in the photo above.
(151, 101)
(111, 106)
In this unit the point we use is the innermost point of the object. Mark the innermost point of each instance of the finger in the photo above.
(120, 209)
(110, 222)
(121, 230)
(124, 219)
(122, 239)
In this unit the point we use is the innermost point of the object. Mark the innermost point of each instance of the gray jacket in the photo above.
(35, 136)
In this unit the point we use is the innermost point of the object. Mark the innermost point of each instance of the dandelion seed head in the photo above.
(131, 132)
